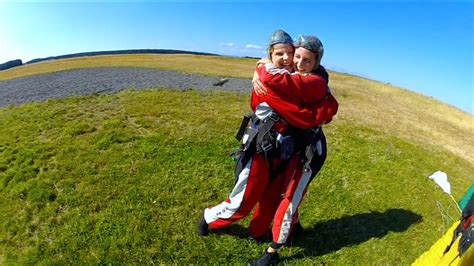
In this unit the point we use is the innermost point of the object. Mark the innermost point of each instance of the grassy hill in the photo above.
(123, 178)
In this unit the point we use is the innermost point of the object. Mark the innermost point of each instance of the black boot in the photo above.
(267, 259)
(203, 227)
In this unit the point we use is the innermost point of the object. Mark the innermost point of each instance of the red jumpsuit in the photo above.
(296, 98)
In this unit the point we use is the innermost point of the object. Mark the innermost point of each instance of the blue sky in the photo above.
(425, 47)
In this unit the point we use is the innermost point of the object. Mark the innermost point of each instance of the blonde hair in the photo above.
(270, 51)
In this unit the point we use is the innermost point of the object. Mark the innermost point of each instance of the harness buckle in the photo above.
(266, 146)
(274, 116)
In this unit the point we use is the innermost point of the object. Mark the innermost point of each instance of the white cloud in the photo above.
(228, 44)
(253, 46)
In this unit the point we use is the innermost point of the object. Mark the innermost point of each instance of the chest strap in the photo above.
(265, 142)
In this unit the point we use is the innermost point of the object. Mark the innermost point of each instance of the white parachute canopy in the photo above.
(441, 178)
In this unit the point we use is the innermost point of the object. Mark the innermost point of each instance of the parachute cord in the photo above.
(447, 219)
(456, 204)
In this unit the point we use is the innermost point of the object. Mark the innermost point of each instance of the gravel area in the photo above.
(88, 81)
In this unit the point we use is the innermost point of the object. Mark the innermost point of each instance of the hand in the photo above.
(258, 85)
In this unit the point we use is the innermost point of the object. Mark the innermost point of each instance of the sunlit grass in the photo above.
(410, 115)
(205, 65)
(413, 116)
(122, 179)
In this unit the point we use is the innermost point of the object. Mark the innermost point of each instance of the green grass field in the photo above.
(122, 179)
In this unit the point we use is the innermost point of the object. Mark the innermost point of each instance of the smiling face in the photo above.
(304, 60)
(282, 55)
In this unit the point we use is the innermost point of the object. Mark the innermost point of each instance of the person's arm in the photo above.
(304, 118)
(294, 97)
(292, 112)
(312, 87)
(258, 86)
(296, 116)
(326, 110)
(278, 81)
(299, 99)
(308, 89)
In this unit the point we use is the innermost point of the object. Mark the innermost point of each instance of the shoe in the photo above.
(203, 227)
(267, 259)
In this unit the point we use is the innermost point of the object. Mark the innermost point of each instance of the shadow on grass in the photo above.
(236, 230)
(329, 236)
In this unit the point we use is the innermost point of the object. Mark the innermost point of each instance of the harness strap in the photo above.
(264, 141)
(311, 136)
(243, 126)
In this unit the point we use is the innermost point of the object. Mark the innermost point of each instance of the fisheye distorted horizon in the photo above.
(424, 47)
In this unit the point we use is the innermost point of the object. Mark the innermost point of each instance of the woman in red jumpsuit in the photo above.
(308, 93)
(295, 100)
